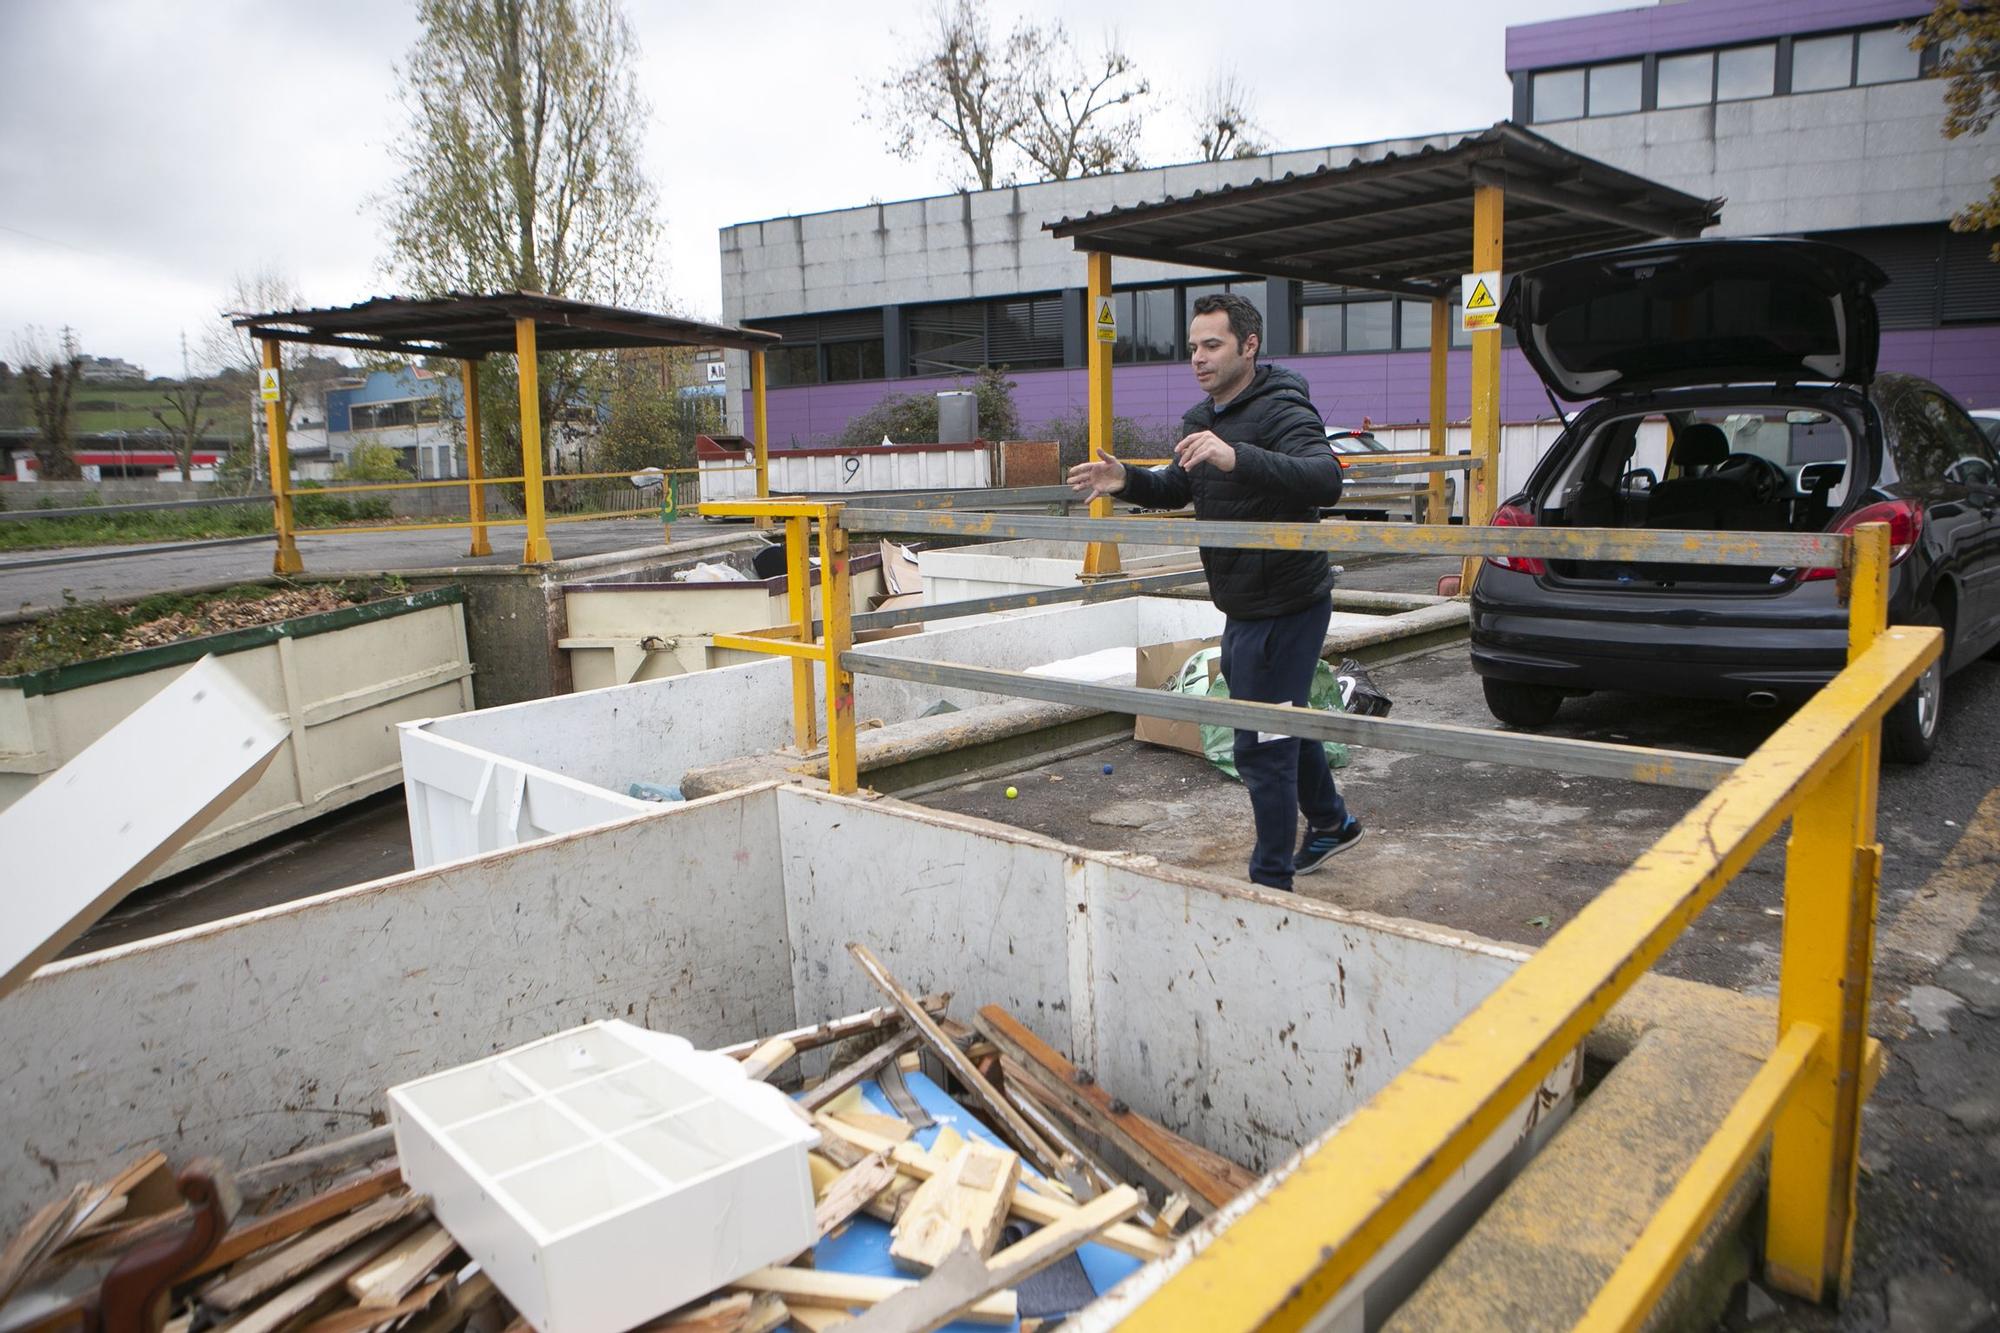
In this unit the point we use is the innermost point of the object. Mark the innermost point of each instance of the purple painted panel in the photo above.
(1388, 388)
(1690, 23)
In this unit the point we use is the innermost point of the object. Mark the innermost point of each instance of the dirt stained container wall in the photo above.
(1249, 1022)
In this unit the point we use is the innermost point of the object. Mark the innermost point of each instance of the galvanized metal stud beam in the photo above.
(1779, 549)
(1632, 763)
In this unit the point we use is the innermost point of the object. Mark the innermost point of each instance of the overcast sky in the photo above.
(149, 151)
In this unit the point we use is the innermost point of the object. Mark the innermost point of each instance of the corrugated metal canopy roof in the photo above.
(1401, 223)
(471, 327)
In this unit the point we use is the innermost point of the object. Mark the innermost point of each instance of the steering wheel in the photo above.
(1765, 480)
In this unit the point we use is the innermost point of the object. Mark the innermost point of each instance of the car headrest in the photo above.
(1701, 445)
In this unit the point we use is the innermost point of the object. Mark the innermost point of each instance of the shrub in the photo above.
(912, 418)
(1128, 437)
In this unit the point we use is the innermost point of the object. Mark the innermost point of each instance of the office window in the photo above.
(1614, 89)
(1319, 329)
(1371, 326)
(1415, 317)
(1026, 333)
(1253, 292)
(1148, 329)
(1884, 56)
(785, 365)
(1557, 95)
(854, 361)
(1746, 71)
(947, 339)
(1686, 80)
(1820, 63)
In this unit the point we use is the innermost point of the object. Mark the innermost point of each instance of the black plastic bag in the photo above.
(1358, 693)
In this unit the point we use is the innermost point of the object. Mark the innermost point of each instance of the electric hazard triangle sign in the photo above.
(1478, 309)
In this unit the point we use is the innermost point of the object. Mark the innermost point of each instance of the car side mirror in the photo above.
(1639, 479)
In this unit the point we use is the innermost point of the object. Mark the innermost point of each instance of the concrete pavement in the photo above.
(28, 585)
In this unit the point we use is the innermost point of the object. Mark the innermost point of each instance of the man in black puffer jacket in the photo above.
(1256, 450)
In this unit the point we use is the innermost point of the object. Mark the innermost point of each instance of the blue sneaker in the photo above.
(1322, 845)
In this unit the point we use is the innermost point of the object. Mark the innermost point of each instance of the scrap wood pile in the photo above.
(332, 1240)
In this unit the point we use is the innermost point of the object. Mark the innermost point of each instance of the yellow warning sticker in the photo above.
(1106, 322)
(1478, 309)
(267, 385)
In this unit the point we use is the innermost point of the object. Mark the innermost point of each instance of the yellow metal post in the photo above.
(1832, 865)
(1439, 509)
(798, 599)
(286, 559)
(475, 458)
(760, 429)
(836, 608)
(537, 551)
(1488, 222)
(1099, 557)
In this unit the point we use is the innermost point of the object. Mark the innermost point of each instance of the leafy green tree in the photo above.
(1967, 39)
(522, 173)
(372, 461)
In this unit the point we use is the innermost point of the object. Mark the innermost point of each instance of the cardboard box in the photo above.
(900, 574)
(892, 602)
(1159, 665)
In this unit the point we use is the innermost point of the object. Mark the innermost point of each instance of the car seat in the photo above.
(1693, 499)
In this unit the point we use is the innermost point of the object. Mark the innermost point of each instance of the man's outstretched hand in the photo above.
(1103, 476)
(1205, 447)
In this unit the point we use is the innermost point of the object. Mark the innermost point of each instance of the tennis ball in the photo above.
(1012, 793)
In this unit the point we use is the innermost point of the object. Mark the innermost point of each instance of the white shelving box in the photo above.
(608, 1174)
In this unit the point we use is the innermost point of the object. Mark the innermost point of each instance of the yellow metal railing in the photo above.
(1318, 1223)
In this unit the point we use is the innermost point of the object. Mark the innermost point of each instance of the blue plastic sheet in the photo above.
(863, 1245)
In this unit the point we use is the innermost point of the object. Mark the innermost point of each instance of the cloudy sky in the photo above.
(149, 152)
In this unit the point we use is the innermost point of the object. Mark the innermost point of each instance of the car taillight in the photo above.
(1513, 516)
(1906, 526)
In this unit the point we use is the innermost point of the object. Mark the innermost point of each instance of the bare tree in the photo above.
(1967, 40)
(237, 357)
(1225, 125)
(179, 414)
(1083, 117)
(960, 88)
(50, 375)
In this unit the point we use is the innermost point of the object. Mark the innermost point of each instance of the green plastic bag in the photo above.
(1219, 743)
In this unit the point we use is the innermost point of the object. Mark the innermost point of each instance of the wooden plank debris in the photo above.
(1207, 1178)
(255, 1233)
(965, 1201)
(842, 1291)
(1007, 1121)
(893, 1128)
(964, 1279)
(1026, 1205)
(307, 1251)
(768, 1058)
(852, 1190)
(393, 1276)
(50, 1225)
(322, 1282)
(857, 1073)
(339, 1155)
(839, 1029)
(358, 1318)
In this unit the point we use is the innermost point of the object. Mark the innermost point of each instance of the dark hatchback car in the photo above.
(1732, 387)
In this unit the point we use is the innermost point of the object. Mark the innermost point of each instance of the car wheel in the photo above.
(1530, 707)
(1910, 729)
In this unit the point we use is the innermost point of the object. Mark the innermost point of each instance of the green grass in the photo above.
(153, 525)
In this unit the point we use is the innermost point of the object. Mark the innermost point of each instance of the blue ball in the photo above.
(1107, 768)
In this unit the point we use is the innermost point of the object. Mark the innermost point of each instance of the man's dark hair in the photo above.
(1244, 319)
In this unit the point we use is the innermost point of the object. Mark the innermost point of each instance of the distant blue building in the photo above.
(413, 411)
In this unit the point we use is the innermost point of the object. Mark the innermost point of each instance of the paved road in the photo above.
(27, 585)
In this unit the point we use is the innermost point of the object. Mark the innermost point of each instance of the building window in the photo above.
(1557, 95)
(1614, 89)
(947, 339)
(1148, 329)
(1025, 334)
(1686, 80)
(1318, 330)
(1415, 318)
(1746, 71)
(1371, 326)
(786, 365)
(854, 361)
(1253, 292)
(1884, 56)
(1821, 63)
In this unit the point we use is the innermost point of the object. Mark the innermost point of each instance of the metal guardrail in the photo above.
(1315, 1225)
